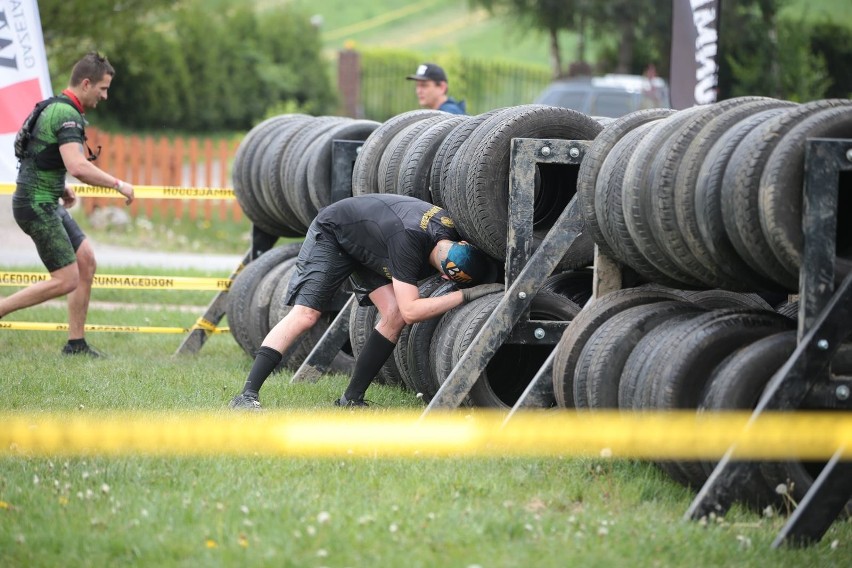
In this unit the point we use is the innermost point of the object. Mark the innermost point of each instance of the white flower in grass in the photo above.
(323, 517)
(769, 512)
(393, 527)
(781, 489)
(603, 531)
(36, 480)
(104, 488)
(834, 544)
(244, 509)
(528, 527)
(745, 542)
(322, 553)
(311, 530)
(365, 519)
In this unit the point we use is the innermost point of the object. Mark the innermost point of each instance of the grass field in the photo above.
(352, 511)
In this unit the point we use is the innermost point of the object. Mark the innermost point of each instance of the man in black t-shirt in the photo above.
(385, 244)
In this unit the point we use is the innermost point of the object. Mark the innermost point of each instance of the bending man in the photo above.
(385, 243)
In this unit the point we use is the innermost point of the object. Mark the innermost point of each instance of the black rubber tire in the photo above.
(482, 170)
(584, 325)
(741, 191)
(781, 183)
(609, 210)
(366, 169)
(415, 173)
(662, 214)
(603, 357)
(594, 158)
(247, 161)
(737, 384)
(634, 386)
(242, 289)
(443, 157)
(417, 350)
(678, 376)
(294, 170)
(400, 353)
(512, 368)
(642, 176)
(719, 254)
(320, 157)
(789, 309)
(267, 174)
(686, 184)
(722, 299)
(391, 162)
(576, 285)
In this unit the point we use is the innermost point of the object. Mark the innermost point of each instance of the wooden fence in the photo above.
(178, 162)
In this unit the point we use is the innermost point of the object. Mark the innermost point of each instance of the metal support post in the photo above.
(524, 273)
(343, 155)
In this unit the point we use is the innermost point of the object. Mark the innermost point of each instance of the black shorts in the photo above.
(55, 234)
(322, 268)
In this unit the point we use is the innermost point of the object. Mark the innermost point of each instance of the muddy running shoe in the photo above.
(244, 402)
(84, 349)
(345, 402)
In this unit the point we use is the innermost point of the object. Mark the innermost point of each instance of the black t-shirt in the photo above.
(390, 234)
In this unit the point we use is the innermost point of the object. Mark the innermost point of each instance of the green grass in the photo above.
(355, 511)
(174, 235)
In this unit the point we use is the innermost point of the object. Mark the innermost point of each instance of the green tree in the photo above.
(71, 29)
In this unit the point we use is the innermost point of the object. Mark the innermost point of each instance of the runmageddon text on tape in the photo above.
(204, 325)
(144, 191)
(802, 436)
(125, 281)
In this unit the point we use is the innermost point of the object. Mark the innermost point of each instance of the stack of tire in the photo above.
(281, 177)
(705, 198)
(462, 164)
(282, 169)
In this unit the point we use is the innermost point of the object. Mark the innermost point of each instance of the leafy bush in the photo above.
(202, 70)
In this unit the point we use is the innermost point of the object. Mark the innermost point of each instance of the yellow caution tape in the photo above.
(144, 191)
(371, 433)
(125, 281)
(41, 326)
(206, 325)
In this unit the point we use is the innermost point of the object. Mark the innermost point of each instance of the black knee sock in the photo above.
(376, 351)
(77, 342)
(265, 362)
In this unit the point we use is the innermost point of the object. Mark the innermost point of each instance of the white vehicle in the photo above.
(611, 95)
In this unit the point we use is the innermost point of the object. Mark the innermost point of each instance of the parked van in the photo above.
(611, 95)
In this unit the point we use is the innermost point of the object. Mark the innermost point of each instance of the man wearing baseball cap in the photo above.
(432, 89)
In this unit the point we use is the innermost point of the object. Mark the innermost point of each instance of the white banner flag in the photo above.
(24, 77)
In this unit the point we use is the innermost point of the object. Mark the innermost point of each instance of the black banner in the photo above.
(694, 76)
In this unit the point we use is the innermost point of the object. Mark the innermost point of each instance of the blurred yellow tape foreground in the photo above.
(370, 433)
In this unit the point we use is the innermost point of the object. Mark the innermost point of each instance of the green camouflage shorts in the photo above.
(55, 234)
